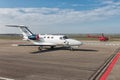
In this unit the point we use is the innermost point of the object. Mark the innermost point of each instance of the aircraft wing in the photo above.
(33, 45)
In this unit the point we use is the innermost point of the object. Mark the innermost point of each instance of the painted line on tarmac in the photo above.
(106, 44)
(110, 67)
(3, 78)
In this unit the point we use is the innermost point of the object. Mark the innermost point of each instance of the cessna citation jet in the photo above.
(46, 40)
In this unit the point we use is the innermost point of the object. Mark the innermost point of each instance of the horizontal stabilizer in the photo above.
(15, 26)
(24, 29)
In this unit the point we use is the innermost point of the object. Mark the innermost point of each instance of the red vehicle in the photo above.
(101, 38)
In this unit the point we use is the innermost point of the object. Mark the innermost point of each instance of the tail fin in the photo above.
(25, 31)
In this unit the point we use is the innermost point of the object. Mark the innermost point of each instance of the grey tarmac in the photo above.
(27, 63)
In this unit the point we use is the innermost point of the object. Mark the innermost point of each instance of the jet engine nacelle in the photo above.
(34, 37)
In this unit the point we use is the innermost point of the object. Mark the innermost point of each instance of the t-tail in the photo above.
(27, 34)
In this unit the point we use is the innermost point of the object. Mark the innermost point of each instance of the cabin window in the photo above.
(51, 37)
(48, 37)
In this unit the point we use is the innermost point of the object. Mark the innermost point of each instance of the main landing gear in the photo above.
(52, 47)
(40, 48)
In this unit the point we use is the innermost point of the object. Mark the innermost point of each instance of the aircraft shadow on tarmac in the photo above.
(61, 48)
(89, 50)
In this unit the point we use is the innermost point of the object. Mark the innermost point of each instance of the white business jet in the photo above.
(46, 40)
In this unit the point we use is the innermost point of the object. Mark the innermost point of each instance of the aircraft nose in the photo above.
(78, 42)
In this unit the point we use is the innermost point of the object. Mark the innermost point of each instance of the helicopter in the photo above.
(100, 38)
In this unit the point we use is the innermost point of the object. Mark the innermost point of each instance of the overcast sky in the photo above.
(61, 16)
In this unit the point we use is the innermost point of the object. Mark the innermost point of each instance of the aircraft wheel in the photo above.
(71, 49)
(52, 47)
(40, 48)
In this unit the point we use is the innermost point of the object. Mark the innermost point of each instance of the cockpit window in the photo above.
(65, 37)
(61, 38)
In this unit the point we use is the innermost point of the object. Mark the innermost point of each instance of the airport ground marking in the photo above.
(106, 44)
(110, 67)
(3, 78)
